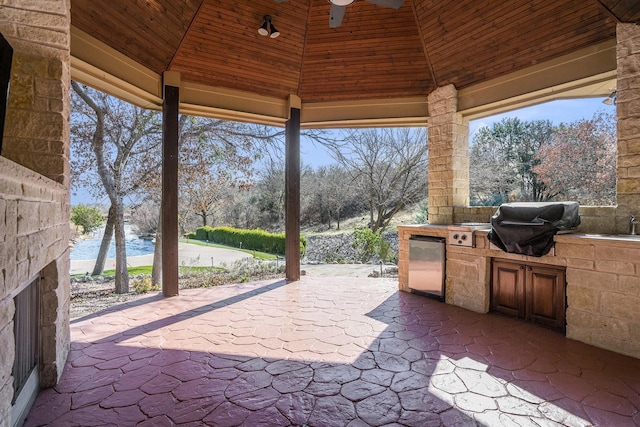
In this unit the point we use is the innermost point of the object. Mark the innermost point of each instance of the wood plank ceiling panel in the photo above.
(223, 47)
(148, 31)
(489, 41)
(370, 55)
(377, 52)
(625, 10)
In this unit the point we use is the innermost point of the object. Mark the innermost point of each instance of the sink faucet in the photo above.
(632, 225)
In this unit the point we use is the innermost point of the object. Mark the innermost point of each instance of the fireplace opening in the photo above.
(26, 330)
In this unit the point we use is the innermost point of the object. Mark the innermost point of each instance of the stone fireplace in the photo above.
(34, 204)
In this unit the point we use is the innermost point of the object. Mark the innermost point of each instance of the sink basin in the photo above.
(629, 237)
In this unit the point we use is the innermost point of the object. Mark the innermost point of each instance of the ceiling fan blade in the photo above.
(335, 18)
(393, 4)
(281, 1)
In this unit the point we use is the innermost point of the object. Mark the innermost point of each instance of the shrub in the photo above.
(142, 285)
(191, 235)
(422, 217)
(257, 240)
(368, 243)
(202, 233)
(87, 217)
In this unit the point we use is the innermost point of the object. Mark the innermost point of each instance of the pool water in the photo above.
(88, 249)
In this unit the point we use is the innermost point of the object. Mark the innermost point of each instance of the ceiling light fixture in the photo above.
(611, 99)
(341, 2)
(268, 27)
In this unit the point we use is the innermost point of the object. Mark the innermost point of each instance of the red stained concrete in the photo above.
(325, 352)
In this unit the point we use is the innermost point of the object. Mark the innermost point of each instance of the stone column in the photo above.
(628, 115)
(448, 156)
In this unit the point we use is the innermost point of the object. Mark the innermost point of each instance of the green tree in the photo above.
(503, 159)
(87, 217)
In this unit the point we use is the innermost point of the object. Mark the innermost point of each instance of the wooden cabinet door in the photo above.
(507, 288)
(545, 295)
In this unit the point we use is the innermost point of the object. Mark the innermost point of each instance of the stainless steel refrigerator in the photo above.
(426, 266)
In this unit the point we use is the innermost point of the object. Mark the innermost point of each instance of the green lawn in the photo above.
(256, 254)
(146, 269)
(133, 271)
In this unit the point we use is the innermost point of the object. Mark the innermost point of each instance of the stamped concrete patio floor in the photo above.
(329, 352)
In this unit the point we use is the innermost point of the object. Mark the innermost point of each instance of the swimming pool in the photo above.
(87, 249)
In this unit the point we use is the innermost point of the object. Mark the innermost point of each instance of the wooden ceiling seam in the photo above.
(186, 34)
(304, 49)
(375, 54)
(609, 12)
(424, 45)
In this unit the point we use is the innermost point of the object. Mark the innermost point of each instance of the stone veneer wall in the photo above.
(628, 115)
(448, 156)
(603, 292)
(34, 179)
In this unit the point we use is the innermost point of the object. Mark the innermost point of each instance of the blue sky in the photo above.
(563, 111)
(557, 111)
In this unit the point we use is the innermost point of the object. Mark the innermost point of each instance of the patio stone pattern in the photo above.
(329, 352)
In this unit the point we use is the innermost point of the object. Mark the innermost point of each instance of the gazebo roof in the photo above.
(377, 67)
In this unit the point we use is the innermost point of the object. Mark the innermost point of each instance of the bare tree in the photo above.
(117, 151)
(117, 138)
(579, 162)
(389, 165)
(327, 193)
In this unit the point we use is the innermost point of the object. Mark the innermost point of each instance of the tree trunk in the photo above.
(111, 186)
(122, 274)
(106, 242)
(156, 270)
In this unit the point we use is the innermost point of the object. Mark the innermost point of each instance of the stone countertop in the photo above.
(617, 239)
(570, 237)
(431, 230)
(420, 226)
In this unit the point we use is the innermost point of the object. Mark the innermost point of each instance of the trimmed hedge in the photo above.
(256, 240)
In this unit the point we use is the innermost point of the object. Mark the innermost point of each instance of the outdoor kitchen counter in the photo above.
(602, 281)
(424, 230)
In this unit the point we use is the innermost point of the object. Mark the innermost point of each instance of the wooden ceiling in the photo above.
(377, 53)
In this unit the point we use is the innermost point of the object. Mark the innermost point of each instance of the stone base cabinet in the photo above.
(533, 292)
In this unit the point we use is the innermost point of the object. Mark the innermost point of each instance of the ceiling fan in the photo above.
(338, 8)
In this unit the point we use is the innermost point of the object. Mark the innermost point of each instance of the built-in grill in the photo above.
(528, 228)
(463, 234)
